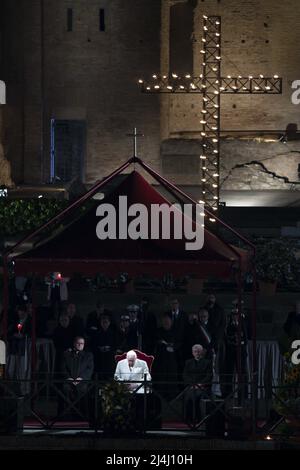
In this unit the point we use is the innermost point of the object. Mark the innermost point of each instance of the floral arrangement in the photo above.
(287, 401)
(117, 408)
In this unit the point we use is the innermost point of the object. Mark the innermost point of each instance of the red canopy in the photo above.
(77, 249)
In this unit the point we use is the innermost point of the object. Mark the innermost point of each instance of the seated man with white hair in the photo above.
(197, 375)
(132, 369)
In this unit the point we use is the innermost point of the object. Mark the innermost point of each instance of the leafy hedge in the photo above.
(23, 215)
(277, 259)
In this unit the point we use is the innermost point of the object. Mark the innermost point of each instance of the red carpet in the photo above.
(35, 424)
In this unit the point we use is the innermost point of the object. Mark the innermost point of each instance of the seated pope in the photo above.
(132, 370)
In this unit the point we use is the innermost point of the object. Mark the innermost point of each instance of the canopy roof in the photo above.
(76, 247)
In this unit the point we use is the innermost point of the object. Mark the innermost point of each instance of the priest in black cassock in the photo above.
(197, 375)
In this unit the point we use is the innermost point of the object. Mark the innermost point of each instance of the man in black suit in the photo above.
(76, 321)
(179, 321)
(104, 348)
(176, 313)
(77, 367)
(292, 323)
(94, 319)
(148, 326)
(236, 354)
(291, 330)
(217, 318)
(206, 333)
(197, 374)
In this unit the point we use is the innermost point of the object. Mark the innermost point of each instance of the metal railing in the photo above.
(49, 403)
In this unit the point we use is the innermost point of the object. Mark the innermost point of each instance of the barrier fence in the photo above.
(48, 403)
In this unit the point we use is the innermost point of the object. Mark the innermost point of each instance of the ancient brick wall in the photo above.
(92, 75)
(258, 37)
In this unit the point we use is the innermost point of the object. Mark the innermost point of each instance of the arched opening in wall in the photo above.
(2, 92)
(181, 37)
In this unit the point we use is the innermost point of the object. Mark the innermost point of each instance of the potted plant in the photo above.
(274, 260)
(117, 413)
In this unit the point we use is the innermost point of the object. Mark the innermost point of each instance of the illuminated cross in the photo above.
(135, 135)
(211, 85)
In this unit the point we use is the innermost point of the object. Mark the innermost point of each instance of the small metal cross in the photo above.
(135, 135)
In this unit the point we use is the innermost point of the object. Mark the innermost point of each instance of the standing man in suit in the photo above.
(292, 323)
(291, 329)
(236, 355)
(179, 323)
(148, 326)
(216, 319)
(176, 313)
(206, 333)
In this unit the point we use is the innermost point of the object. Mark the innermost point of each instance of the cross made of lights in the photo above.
(211, 85)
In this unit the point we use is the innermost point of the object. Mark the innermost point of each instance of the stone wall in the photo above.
(85, 74)
(258, 36)
(254, 164)
(92, 75)
(11, 54)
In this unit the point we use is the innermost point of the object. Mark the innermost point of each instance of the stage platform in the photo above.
(83, 439)
(79, 435)
(31, 434)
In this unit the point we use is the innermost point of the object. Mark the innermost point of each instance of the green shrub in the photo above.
(22, 215)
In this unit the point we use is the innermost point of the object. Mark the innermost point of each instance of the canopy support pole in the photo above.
(5, 298)
(33, 325)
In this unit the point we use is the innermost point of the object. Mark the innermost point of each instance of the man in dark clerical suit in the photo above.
(197, 375)
(77, 367)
